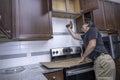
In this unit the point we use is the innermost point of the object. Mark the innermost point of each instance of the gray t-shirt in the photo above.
(93, 33)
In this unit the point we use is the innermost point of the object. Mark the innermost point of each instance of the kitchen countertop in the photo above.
(30, 72)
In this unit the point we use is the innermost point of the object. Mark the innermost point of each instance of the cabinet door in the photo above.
(79, 23)
(117, 17)
(87, 5)
(34, 21)
(109, 15)
(117, 62)
(99, 18)
(6, 17)
(55, 75)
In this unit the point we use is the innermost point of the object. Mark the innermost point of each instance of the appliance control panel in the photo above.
(56, 52)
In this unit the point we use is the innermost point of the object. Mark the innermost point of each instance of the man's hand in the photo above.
(69, 25)
(74, 35)
(81, 60)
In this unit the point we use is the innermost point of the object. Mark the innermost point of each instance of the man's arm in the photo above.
(74, 35)
(88, 50)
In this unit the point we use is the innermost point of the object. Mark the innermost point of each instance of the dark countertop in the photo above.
(30, 72)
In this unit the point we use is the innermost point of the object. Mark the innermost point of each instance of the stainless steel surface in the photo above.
(64, 51)
(78, 71)
(112, 49)
(68, 59)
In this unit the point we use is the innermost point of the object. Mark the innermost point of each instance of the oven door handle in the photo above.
(78, 71)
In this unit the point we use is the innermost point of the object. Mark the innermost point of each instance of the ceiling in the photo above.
(118, 1)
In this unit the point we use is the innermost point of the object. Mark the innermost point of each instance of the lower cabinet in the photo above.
(117, 62)
(57, 75)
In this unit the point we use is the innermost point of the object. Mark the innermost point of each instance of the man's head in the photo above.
(86, 25)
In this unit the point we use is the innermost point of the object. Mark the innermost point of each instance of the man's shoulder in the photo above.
(93, 29)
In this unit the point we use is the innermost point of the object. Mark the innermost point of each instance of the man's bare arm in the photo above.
(74, 35)
(90, 47)
(88, 50)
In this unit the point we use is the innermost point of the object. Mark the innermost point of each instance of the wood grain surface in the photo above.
(65, 63)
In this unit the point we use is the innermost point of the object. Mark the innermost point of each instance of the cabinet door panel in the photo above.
(34, 19)
(117, 17)
(99, 18)
(109, 15)
(79, 23)
(87, 5)
(117, 62)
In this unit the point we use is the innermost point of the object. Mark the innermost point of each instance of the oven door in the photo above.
(85, 73)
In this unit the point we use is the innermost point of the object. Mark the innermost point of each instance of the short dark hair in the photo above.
(89, 22)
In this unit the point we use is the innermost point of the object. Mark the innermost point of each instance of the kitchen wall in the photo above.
(19, 53)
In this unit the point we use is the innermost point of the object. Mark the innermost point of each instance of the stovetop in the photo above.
(65, 53)
(65, 57)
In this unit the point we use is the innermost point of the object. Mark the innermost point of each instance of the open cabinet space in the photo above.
(74, 6)
(66, 8)
(59, 5)
(71, 6)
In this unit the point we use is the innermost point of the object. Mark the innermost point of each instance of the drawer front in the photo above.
(58, 75)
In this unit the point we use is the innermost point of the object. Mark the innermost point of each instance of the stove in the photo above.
(65, 53)
(68, 59)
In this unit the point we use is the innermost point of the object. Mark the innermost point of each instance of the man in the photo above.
(104, 65)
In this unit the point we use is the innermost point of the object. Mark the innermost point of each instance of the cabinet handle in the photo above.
(54, 78)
